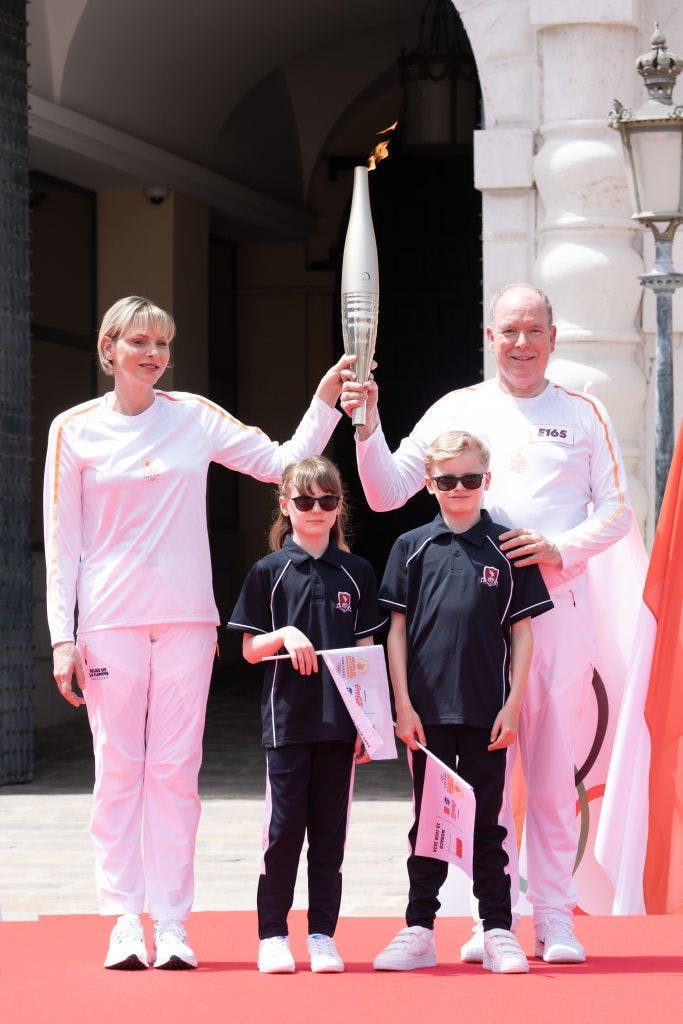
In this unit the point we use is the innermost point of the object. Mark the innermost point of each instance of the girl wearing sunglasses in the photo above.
(310, 594)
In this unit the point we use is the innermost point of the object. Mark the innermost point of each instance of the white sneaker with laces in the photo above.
(171, 951)
(412, 948)
(127, 945)
(324, 956)
(556, 943)
(275, 956)
(503, 953)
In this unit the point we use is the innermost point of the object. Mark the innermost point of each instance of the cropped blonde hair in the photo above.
(132, 311)
(453, 443)
(302, 476)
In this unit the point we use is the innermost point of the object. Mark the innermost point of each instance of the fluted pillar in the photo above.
(588, 259)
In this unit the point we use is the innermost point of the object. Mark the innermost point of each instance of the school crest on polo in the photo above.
(343, 601)
(490, 577)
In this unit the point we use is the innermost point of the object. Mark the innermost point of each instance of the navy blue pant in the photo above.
(310, 792)
(463, 748)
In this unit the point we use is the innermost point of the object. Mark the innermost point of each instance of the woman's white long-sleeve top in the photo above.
(125, 506)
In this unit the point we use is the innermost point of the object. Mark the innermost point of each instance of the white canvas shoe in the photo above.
(556, 943)
(412, 948)
(503, 953)
(171, 951)
(127, 945)
(324, 956)
(275, 956)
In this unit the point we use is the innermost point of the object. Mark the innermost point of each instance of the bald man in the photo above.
(558, 482)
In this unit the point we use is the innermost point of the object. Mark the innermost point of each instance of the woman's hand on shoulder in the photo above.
(67, 664)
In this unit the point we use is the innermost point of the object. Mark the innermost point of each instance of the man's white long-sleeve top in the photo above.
(555, 466)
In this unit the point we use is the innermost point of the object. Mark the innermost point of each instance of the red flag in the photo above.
(663, 594)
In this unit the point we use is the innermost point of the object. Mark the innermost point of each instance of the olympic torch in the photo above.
(360, 285)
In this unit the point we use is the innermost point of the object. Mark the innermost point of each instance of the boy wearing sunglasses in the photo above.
(459, 649)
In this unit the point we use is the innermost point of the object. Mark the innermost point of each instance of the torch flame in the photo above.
(381, 150)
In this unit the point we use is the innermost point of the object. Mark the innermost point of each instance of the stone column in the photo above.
(503, 44)
(588, 259)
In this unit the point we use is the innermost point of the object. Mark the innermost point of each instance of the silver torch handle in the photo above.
(360, 285)
(359, 327)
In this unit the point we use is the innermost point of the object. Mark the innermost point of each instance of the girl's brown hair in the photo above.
(302, 476)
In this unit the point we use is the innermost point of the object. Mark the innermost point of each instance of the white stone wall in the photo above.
(556, 208)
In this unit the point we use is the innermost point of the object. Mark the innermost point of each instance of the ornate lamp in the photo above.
(438, 77)
(652, 137)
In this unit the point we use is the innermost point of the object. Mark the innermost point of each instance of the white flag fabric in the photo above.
(621, 837)
(360, 674)
(615, 579)
(446, 827)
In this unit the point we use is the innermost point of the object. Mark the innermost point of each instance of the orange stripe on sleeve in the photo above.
(209, 405)
(615, 465)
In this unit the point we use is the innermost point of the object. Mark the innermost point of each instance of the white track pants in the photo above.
(561, 668)
(146, 691)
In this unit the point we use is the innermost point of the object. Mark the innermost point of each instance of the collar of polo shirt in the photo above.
(475, 535)
(298, 555)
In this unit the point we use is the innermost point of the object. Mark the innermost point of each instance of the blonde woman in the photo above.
(126, 540)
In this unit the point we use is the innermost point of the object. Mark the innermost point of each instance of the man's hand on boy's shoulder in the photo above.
(529, 547)
(409, 727)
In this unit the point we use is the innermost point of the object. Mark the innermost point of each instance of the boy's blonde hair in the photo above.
(133, 311)
(453, 443)
(302, 476)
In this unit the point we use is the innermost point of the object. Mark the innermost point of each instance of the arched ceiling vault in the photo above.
(128, 89)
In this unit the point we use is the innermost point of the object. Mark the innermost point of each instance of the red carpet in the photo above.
(51, 970)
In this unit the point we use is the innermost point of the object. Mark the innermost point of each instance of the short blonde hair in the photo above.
(136, 311)
(453, 443)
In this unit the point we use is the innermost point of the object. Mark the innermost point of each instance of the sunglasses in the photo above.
(470, 481)
(327, 502)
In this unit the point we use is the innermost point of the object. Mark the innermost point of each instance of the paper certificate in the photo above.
(446, 828)
(360, 675)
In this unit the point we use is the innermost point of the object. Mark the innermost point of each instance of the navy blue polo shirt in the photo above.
(333, 600)
(460, 595)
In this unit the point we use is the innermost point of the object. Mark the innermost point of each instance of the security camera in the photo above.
(156, 195)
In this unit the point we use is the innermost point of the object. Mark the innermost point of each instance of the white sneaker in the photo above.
(171, 951)
(503, 954)
(324, 956)
(275, 956)
(472, 951)
(412, 948)
(556, 943)
(127, 945)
